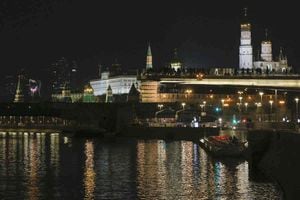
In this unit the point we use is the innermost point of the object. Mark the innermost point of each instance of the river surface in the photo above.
(51, 166)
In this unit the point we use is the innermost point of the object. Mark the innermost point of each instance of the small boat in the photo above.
(223, 146)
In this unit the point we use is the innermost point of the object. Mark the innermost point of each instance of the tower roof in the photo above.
(133, 91)
(109, 88)
(175, 58)
(267, 39)
(245, 18)
(149, 53)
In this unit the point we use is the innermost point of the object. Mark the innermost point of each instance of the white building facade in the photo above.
(119, 84)
(246, 49)
(265, 60)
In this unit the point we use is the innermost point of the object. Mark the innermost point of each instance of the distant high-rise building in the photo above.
(8, 88)
(74, 77)
(149, 64)
(246, 50)
(64, 75)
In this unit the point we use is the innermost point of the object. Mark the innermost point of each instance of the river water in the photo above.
(51, 166)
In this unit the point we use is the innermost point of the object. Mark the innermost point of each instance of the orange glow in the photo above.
(226, 104)
(281, 102)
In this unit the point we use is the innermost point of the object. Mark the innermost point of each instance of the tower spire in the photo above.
(267, 34)
(246, 12)
(19, 97)
(149, 64)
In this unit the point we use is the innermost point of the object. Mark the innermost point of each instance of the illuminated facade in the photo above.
(246, 50)
(149, 64)
(119, 84)
(266, 63)
(265, 60)
(176, 64)
(19, 97)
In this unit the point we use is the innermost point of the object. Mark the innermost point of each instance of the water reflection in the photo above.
(45, 166)
(89, 174)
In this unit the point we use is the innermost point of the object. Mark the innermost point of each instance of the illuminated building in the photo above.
(149, 91)
(88, 95)
(67, 97)
(176, 64)
(264, 61)
(118, 81)
(19, 97)
(149, 59)
(246, 50)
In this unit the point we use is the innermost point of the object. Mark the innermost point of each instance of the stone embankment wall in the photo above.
(277, 155)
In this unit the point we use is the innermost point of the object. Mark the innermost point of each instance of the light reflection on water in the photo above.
(49, 166)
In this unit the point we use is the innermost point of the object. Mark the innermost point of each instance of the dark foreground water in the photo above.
(50, 166)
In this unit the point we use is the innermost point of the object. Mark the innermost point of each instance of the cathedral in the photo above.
(264, 61)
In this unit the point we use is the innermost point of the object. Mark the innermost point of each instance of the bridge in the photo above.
(288, 83)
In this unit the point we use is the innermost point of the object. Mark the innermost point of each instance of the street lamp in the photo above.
(188, 93)
(271, 105)
(183, 105)
(240, 98)
(160, 106)
(204, 103)
(222, 102)
(246, 105)
(297, 102)
(261, 95)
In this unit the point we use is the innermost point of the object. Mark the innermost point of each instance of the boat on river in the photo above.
(223, 146)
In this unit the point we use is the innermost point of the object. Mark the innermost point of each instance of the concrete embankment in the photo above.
(277, 155)
(175, 133)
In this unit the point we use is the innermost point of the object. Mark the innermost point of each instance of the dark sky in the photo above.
(35, 33)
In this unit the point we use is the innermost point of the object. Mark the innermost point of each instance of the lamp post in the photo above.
(222, 102)
(261, 95)
(160, 106)
(297, 102)
(271, 105)
(204, 103)
(183, 105)
(188, 93)
(246, 105)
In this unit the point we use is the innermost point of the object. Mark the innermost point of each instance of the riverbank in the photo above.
(174, 133)
(276, 154)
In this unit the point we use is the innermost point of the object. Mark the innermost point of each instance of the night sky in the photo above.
(35, 33)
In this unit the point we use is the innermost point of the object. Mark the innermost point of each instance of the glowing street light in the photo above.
(297, 102)
(261, 95)
(222, 102)
(246, 105)
(204, 103)
(183, 105)
(160, 106)
(271, 106)
(240, 98)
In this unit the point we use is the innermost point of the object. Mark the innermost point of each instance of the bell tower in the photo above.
(266, 49)
(149, 58)
(246, 50)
